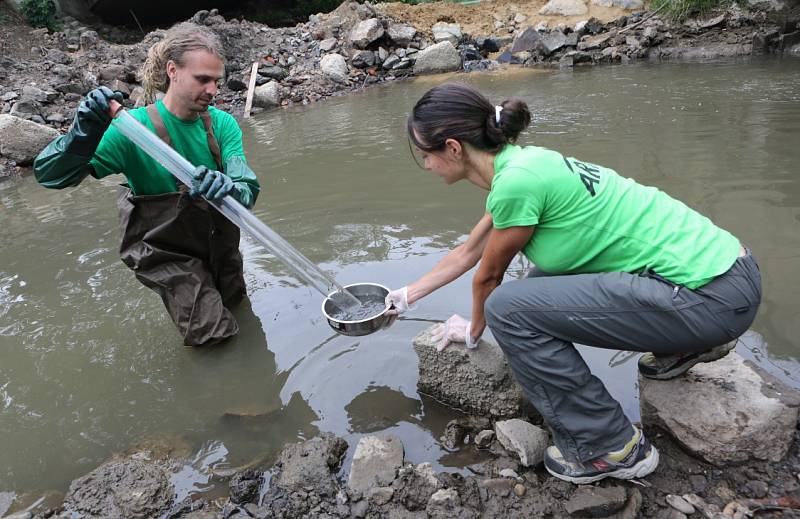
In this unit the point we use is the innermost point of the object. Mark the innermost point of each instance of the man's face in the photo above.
(195, 83)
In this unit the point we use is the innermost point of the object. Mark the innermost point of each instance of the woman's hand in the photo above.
(455, 329)
(398, 301)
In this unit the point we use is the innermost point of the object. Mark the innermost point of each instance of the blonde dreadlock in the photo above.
(178, 40)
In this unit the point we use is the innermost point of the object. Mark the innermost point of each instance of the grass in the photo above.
(682, 9)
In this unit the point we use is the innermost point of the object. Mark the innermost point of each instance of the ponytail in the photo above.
(457, 111)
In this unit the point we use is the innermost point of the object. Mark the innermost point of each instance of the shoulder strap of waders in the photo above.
(213, 145)
(161, 131)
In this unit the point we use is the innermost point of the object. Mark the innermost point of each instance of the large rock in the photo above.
(524, 439)
(22, 140)
(402, 34)
(553, 41)
(366, 32)
(443, 31)
(728, 411)
(529, 40)
(478, 381)
(375, 462)
(334, 66)
(311, 463)
(564, 8)
(267, 95)
(440, 57)
(126, 488)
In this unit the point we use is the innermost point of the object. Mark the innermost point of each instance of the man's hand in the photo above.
(211, 184)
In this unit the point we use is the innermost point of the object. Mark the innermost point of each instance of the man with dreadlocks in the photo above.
(174, 241)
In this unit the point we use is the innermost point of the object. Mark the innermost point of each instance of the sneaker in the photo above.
(671, 366)
(636, 460)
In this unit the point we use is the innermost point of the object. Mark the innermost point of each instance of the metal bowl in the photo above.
(364, 326)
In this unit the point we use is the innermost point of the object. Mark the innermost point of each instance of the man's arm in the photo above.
(65, 162)
(246, 185)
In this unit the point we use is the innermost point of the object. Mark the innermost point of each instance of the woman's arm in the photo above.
(501, 247)
(458, 261)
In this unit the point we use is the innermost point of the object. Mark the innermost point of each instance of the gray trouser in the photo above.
(536, 321)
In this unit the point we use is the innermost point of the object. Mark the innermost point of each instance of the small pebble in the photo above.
(519, 489)
(680, 504)
(509, 473)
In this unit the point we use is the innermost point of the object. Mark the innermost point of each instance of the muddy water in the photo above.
(90, 364)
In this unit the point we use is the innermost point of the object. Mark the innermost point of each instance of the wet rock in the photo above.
(363, 59)
(498, 486)
(594, 42)
(244, 486)
(596, 501)
(390, 62)
(727, 411)
(564, 8)
(484, 439)
(366, 32)
(553, 41)
(401, 34)
(335, 67)
(509, 473)
(524, 439)
(679, 504)
(267, 95)
(529, 40)
(311, 463)
(22, 140)
(375, 462)
(126, 488)
(443, 31)
(478, 380)
(443, 501)
(415, 485)
(380, 495)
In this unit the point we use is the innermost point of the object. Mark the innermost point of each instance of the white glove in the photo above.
(398, 299)
(455, 329)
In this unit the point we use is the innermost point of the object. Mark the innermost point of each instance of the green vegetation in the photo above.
(681, 9)
(39, 13)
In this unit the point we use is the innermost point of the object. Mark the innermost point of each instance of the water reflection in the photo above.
(88, 352)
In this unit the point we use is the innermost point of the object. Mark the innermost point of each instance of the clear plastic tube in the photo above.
(182, 169)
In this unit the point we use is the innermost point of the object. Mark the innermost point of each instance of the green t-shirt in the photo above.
(117, 154)
(589, 219)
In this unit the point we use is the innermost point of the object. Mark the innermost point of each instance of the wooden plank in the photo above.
(248, 104)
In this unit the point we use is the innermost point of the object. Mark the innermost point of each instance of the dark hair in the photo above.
(458, 111)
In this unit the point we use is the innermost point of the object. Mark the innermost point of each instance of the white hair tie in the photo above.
(497, 110)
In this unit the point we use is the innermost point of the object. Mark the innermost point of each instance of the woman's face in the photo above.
(448, 162)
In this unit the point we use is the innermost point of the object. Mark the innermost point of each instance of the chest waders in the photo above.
(185, 251)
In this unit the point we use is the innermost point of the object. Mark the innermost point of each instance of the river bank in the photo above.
(44, 76)
(747, 480)
(736, 458)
